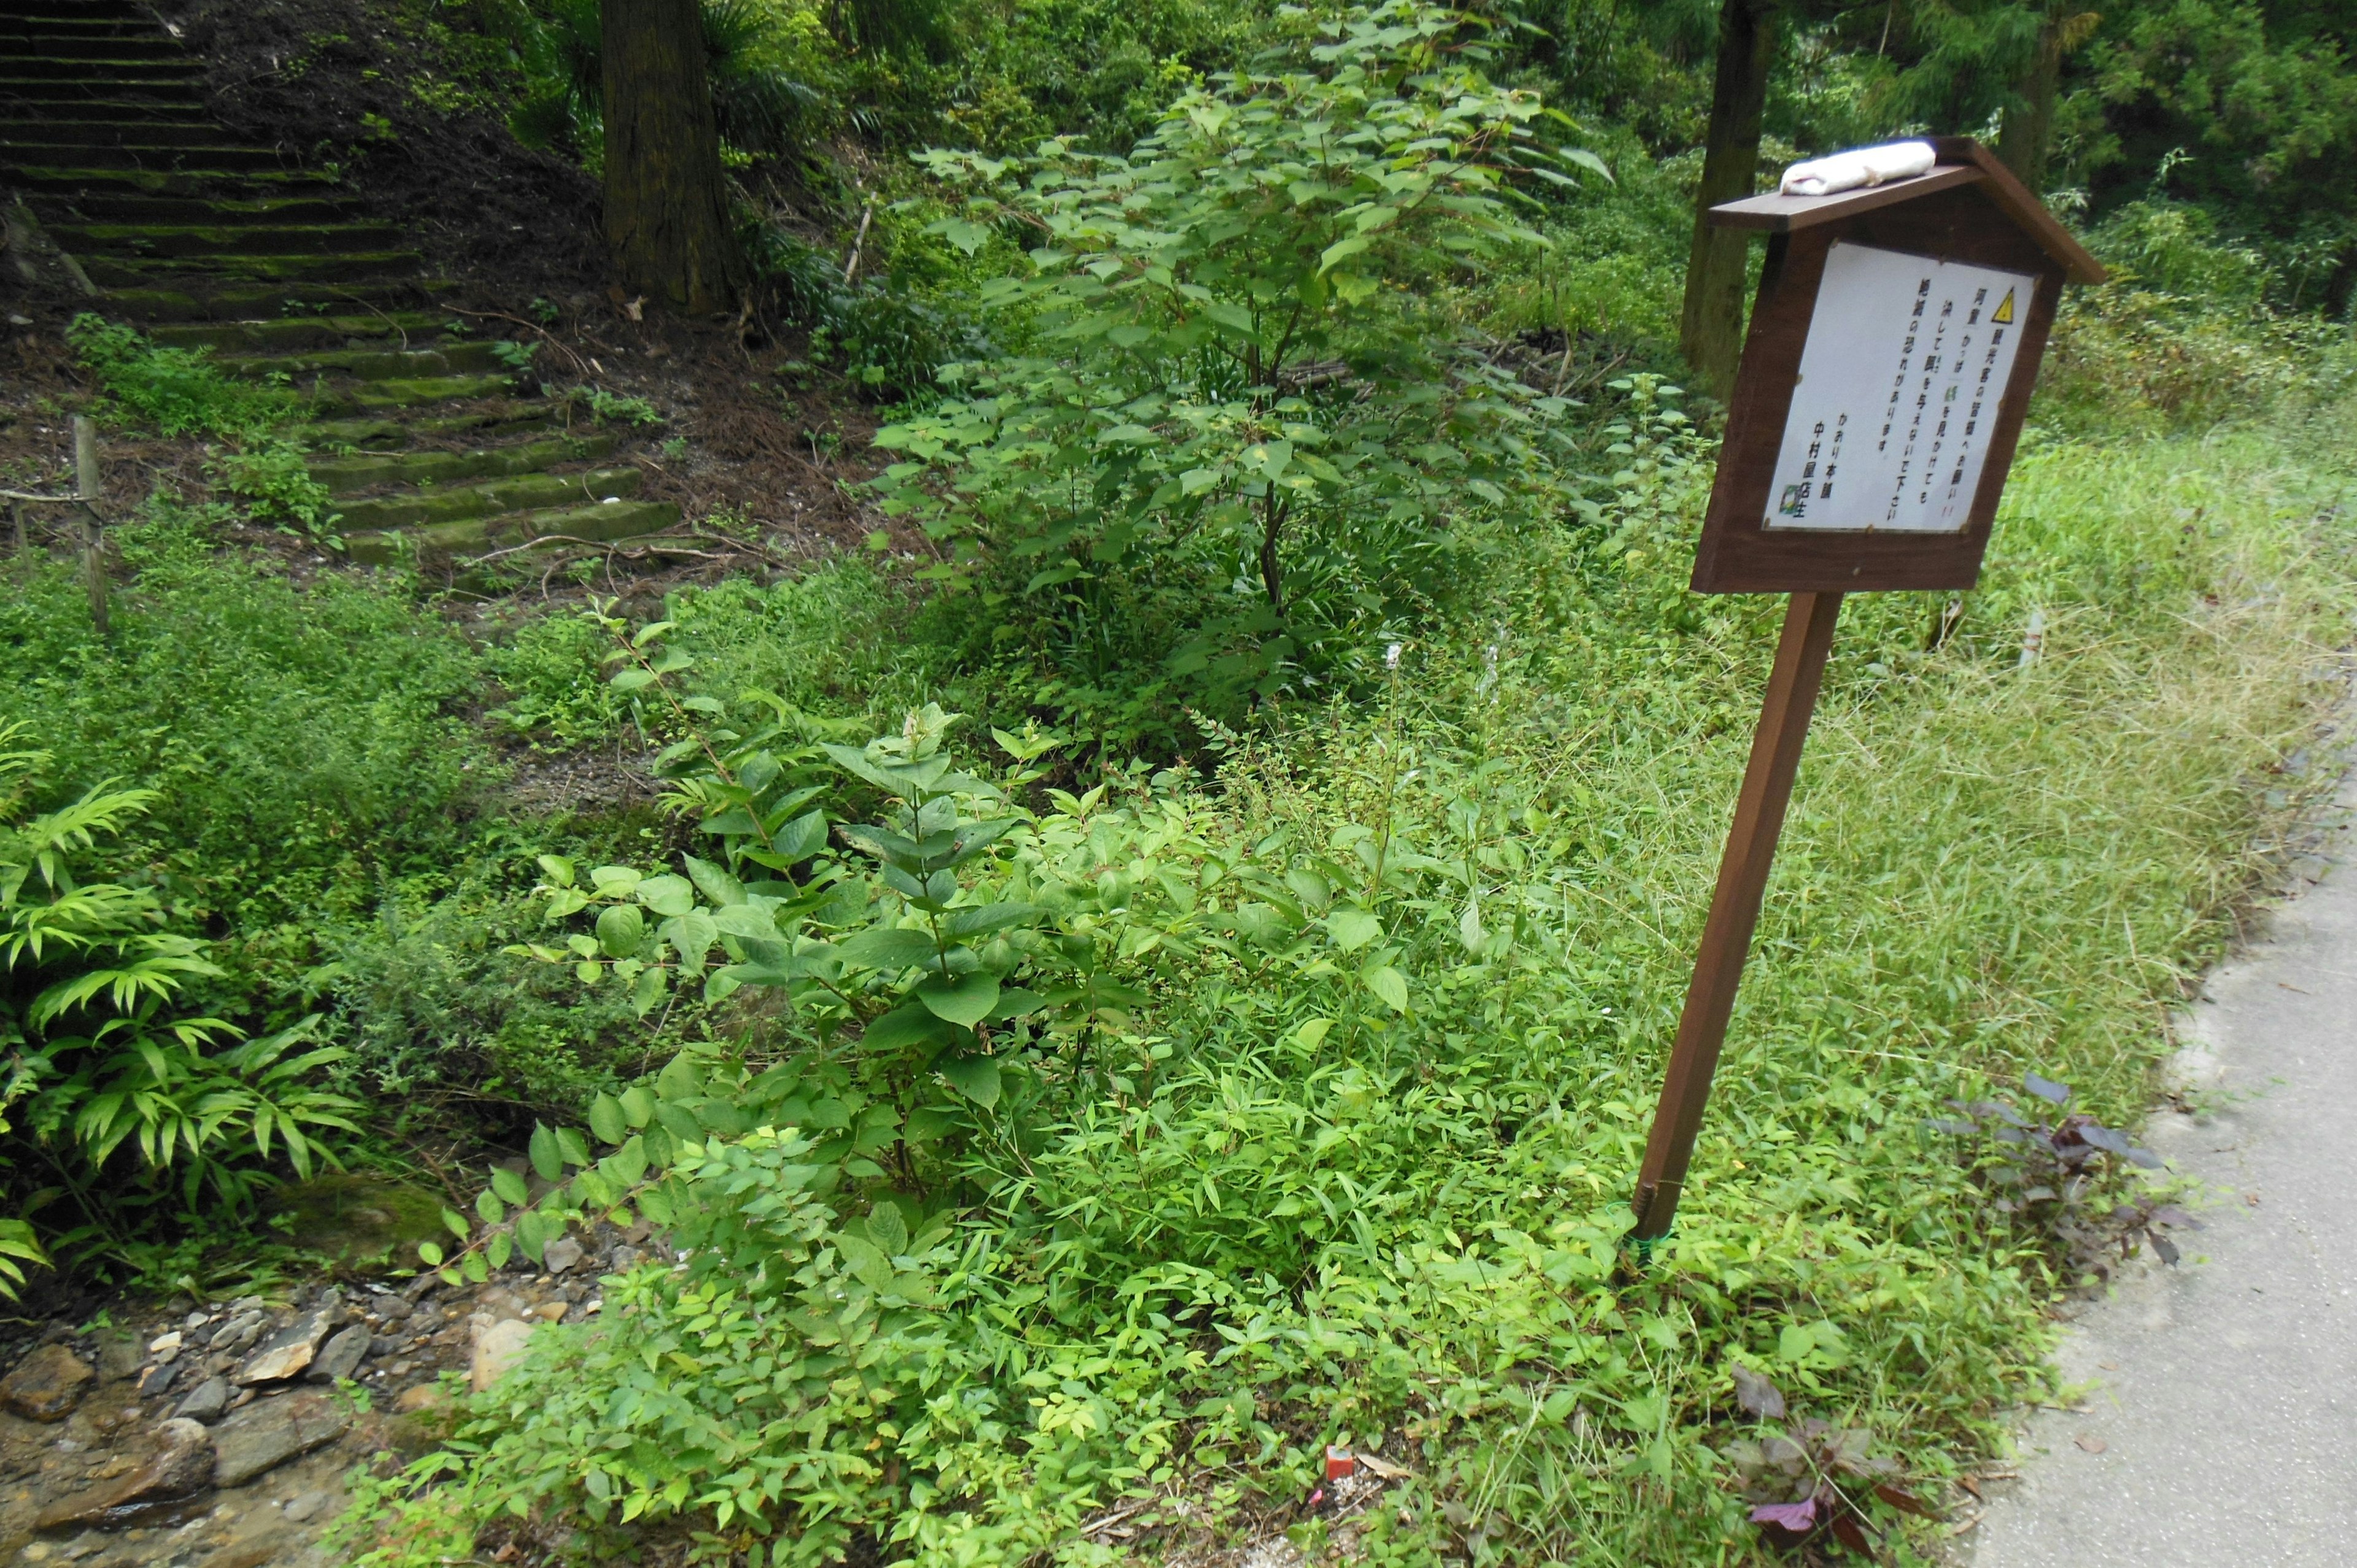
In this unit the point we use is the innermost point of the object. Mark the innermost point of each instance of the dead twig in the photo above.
(580, 365)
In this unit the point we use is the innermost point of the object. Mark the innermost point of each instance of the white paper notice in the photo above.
(1906, 360)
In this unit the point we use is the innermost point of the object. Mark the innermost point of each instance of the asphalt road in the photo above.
(2219, 1425)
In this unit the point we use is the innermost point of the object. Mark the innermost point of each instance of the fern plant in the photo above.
(107, 1101)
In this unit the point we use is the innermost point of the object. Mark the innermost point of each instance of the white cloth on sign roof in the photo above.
(1859, 165)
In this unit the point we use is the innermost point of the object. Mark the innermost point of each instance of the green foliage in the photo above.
(1240, 388)
(176, 391)
(303, 742)
(1316, 1112)
(110, 1107)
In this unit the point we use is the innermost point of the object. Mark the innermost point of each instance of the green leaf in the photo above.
(666, 895)
(509, 1187)
(887, 948)
(455, 1223)
(964, 999)
(606, 1119)
(621, 930)
(488, 1206)
(430, 1253)
(1339, 250)
(974, 1077)
(801, 839)
(559, 870)
(888, 1229)
(1351, 927)
(501, 1248)
(975, 920)
(1389, 984)
(638, 1106)
(546, 1163)
(910, 1025)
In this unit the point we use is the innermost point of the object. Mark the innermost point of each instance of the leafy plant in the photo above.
(1238, 382)
(2049, 1175)
(95, 1068)
(178, 392)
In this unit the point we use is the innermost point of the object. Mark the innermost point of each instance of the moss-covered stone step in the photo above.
(96, 61)
(133, 272)
(248, 240)
(291, 332)
(211, 161)
(352, 476)
(375, 362)
(137, 207)
(23, 89)
(489, 498)
(64, 181)
(216, 299)
(486, 416)
(84, 42)
(603, 522)
(74, 117)
(406, 391)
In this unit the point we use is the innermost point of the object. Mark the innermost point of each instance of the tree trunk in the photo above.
(1710, 329)
(666, 208)
(2028, 132)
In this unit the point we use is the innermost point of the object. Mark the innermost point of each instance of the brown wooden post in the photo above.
(93, 538)
(1735, 905)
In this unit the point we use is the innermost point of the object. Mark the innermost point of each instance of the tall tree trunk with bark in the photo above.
(2027, 135)
(1710, 329)
(666, 208)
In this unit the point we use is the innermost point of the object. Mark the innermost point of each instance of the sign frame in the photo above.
(1968, 207)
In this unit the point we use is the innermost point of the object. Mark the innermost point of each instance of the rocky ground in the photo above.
(219, 1434)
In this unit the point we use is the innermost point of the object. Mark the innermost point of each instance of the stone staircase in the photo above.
(429, 440)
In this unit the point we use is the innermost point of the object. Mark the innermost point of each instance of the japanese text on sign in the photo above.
(1906, 360)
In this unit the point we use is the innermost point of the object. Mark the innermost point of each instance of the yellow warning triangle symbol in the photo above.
(2005, 311)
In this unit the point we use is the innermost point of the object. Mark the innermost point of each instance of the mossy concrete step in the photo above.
(375, 363)
(489, 498)
(351, 476)
(218, 299)
(21, 89)
(603, 522)
(406, 391)
(75, 116)
(107, 207)
(208, 162)
(359, 266)
(380, 330)
(253, 239)
(254, 185)
(485, 416)
(62, 138)
(21, 42)
(97, 62)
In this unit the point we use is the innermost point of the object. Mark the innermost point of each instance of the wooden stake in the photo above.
(1735, 905)
(93, 546)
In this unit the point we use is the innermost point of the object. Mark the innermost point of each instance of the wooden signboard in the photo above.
(1892, 349)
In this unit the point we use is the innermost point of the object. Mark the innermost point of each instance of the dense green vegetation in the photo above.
(1175, 975)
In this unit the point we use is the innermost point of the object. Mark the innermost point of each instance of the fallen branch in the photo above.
(580, 365)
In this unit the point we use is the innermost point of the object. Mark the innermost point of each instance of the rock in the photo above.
(288, 1351)
(157, 1379)
(238, 1333)
(561, 1254)
(46, 1384)
(206, 1402)
(391, 1308)
(271, 1432)
(501, 1348)
(340, 1356)
(177, 1463)
(306, 1506)
(623, 1257)
(118, 1359)
(424, 1396)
